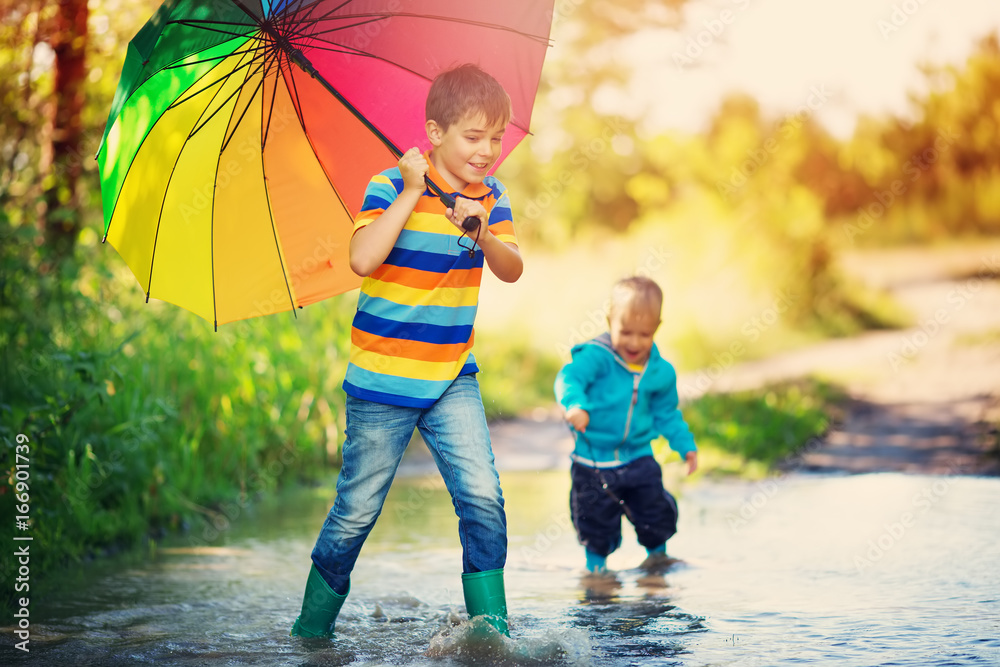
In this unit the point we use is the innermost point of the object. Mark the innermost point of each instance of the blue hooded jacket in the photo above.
(627, 409)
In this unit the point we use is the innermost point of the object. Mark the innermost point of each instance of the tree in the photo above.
(43, 70)
(62, 161)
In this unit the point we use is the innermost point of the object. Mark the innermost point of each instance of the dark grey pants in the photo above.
(635, 490)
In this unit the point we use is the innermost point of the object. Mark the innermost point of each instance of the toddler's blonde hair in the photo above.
(636, 293)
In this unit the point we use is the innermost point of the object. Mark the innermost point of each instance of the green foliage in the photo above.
(751, 431)
(515, 376)
(937, 176)
(140, 419)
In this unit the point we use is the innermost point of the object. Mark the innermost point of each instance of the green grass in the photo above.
(514, 376)
(743, 434)
(747, 433)
(140, 419)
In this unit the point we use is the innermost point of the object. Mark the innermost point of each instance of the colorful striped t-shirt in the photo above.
(412, 334)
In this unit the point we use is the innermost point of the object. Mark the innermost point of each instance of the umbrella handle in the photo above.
(469, 224)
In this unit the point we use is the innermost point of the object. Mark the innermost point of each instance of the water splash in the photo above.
(476, 642)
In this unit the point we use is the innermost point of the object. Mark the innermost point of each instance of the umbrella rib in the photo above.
(296, 101)
(367, 54)
(280, 20)
(270, 111)
(204, 25)
(222, 80)
(224, 103)
(346, 50)
(211, 251)
(277, 245)
(225, 143)
(218, 160)
(266, 65)
(290, 27)
(308, 17)
(364, 121)
(188, 63)
(447, 19)
(299, 4)
(203, 22)
(339, 28)
(309, 69)
(267, 194)
(269, 63)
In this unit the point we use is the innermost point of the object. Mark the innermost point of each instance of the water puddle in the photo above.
(852, 570)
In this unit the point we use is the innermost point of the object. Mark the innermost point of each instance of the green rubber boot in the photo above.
(320, 606)
(484, 596)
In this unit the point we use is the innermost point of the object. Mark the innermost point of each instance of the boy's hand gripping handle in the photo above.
(470, 223)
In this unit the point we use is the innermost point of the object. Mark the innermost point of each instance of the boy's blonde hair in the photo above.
(636, 293)
(463, 90)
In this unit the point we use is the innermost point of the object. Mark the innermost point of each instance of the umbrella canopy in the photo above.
(242, 135)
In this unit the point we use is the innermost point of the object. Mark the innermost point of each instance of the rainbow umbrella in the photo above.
(242, 135)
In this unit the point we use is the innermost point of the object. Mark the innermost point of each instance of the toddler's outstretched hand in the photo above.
(692, 461)
(578, 418)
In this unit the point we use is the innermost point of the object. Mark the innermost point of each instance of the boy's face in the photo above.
(466, 151)
(632, 332)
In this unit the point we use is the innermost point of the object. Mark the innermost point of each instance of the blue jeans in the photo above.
(455, 431)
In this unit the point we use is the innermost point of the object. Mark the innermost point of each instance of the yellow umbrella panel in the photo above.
(224, 208)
